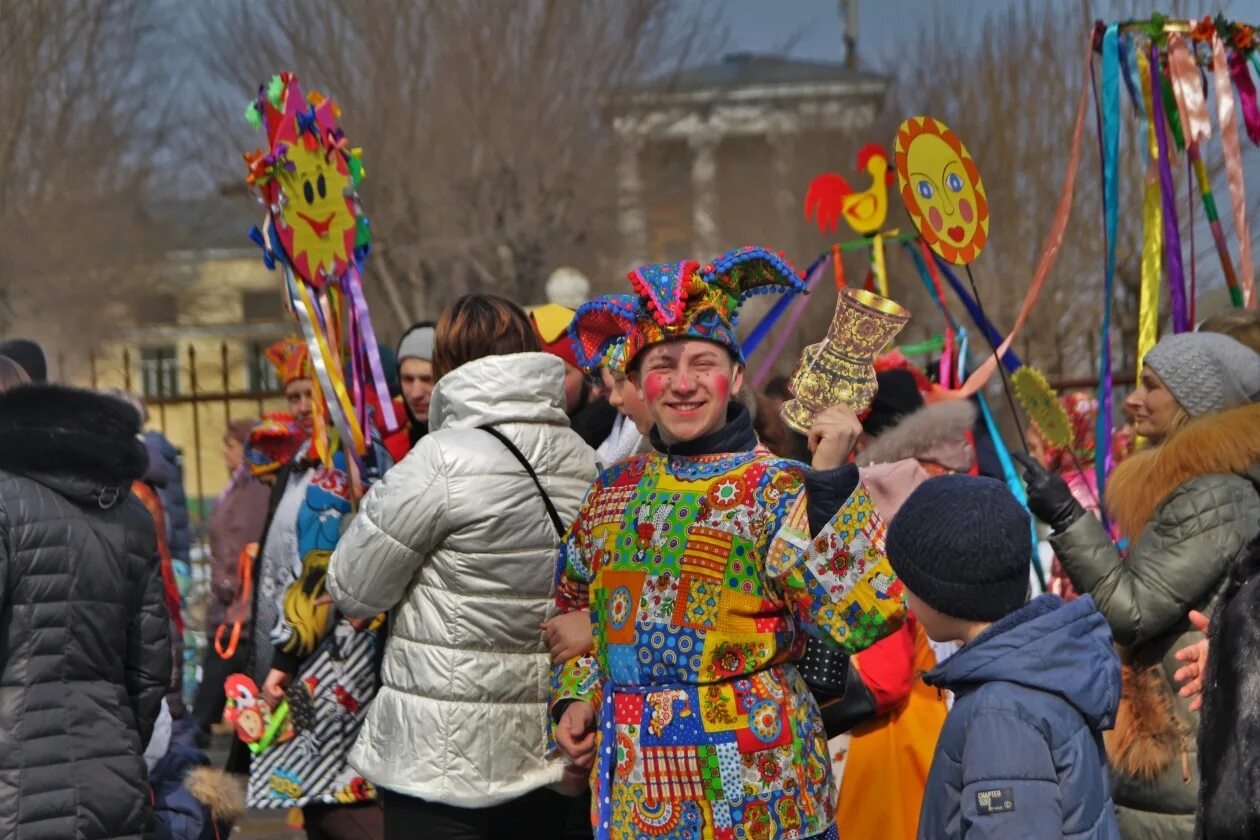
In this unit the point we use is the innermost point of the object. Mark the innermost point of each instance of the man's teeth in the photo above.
(686, 406)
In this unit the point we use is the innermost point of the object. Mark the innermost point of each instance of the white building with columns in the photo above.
(719, 155)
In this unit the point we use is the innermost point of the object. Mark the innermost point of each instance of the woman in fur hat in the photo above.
(1188, 505)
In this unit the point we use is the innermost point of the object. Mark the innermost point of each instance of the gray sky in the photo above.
(812, 27)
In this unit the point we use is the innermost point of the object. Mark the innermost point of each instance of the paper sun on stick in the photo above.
(1042, 404)
(307, 179)
(830, 198)
(941, 187)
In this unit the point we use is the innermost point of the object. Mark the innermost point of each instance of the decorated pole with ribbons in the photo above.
(315, 231)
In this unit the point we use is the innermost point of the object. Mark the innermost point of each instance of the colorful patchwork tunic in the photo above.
(701, 575)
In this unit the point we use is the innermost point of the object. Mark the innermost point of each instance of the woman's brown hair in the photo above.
(480, 325)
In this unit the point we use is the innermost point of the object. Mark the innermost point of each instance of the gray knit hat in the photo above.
(417, 343)
(1206, 372)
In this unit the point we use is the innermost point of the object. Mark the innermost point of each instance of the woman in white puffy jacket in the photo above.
(457, 540)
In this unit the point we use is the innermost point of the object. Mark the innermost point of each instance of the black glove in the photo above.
(1049, 497)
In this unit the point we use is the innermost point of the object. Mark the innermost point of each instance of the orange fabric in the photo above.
(153, 504)
(889, 758)
(245, 572)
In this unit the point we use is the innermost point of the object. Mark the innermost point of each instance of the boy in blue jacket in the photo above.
(1035, 684)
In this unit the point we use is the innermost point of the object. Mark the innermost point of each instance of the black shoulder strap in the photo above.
(511, 447)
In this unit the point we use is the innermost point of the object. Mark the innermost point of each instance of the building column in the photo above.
(781, 169)
(632, 219)
(704, 194)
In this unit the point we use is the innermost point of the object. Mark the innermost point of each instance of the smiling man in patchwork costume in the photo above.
(697, 563)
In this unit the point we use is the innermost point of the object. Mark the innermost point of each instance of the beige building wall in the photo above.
(211, 336)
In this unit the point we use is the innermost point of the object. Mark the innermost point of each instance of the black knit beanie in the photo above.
(963, 545)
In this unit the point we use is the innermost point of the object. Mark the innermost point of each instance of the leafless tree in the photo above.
(1009, 86)
(79, 116)
(482, 122)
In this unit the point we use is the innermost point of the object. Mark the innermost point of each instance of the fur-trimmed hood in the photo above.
(82, 444)
(935, 433)
(1216, 444)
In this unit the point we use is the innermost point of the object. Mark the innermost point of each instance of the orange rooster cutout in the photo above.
(830, 197)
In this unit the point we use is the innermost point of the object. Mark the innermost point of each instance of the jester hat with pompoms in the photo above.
(674, 301)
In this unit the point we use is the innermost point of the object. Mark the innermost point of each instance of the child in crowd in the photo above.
(1035, 684)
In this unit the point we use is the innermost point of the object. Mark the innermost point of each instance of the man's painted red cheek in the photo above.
(722, 385)
(654, 386)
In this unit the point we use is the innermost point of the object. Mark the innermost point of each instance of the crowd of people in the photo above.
(593, 586)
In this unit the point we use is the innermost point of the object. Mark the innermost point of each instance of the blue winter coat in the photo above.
(166, 474)
(1021, 754)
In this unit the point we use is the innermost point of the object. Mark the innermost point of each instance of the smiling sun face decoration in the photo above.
(308, 180)
(941, 188)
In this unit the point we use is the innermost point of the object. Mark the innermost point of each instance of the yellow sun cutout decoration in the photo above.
(316, 210)
(941, 187)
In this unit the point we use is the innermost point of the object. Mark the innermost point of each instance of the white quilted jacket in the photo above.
(457, 539)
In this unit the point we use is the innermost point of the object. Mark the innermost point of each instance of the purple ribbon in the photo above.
(1168, 196)
(354, 288)
(1246, 94)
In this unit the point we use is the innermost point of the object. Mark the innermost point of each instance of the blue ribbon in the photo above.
(767, 322)
(1009, 474)
(257, 238)
(306, 122)
(1133, 82)
(1110, 130)
(1009, 359)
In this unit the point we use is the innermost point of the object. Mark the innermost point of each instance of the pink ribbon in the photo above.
(1233, 169)
(1054, 242)
(1188, 89)
(1246, 94)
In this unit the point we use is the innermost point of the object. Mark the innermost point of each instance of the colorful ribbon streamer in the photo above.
(1187, 88)
(1109, 130)
(1233, 169)
(1009, 359)
(924, 348)
(1009, 474)
(327, 371)
(1054, 241)
(877, 261)
(1172, 236)
(1246, 94)
(812, 275)
(1214, 225)
(1144, 71)
(1152, 252)
(366, 338)
(837, 267)
(1169, 106)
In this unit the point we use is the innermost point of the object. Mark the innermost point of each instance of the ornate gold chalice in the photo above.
(841, 368)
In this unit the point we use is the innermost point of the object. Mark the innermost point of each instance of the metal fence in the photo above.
(191, 396)
(193, 417)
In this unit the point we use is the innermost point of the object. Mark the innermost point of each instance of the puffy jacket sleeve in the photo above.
(1176, 561)
(838, 585)
(579, 678)
(1010, 789)
(398, 525)
(148, 665)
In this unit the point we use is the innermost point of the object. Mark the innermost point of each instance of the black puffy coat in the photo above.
(1229, 728)
(84, 648)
